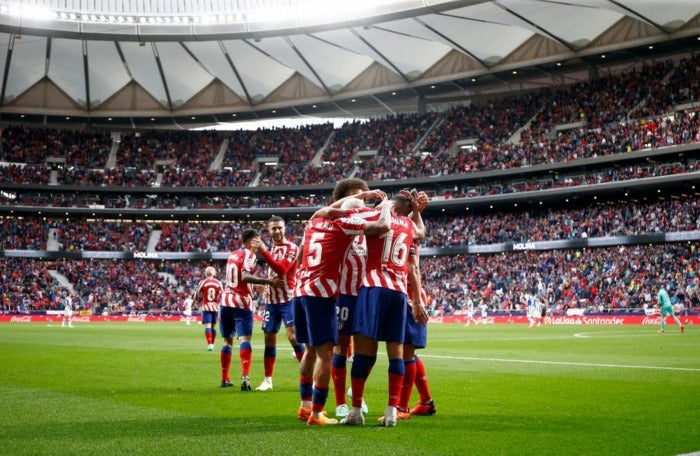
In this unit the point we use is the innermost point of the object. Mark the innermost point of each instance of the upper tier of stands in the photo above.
(649, 106)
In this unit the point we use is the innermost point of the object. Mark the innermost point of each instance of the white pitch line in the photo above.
(563, 363)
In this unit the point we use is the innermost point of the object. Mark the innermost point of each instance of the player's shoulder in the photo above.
(290, 245)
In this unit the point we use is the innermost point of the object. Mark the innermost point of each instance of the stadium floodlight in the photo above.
(33, 11)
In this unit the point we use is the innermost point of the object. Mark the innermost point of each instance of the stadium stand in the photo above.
(613, 158)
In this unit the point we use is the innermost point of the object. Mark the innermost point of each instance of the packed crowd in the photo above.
(612, 218)
(606, 219)
(101, 235)
(660, 166)
(34, 145)
(620, 277)
(611, 115)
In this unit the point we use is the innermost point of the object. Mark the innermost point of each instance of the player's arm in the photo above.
(414, 280)
(383, 223)
(195, 295)
(364, 195)
(281, 267)
(247, 277)
(419, 201)
(329, 211)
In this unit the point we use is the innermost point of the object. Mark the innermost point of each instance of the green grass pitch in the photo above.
(152, 388)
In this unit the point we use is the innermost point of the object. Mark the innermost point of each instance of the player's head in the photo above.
(210, 271)
(402, 204)
(248, 235)
(352, 203)
(277, 229)
(349, 186)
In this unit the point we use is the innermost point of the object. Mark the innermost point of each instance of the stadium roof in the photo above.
(207, 61)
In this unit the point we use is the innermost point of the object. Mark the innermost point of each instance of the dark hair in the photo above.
(248, 234)
(404, 201)
(275, 218)
(343, 186)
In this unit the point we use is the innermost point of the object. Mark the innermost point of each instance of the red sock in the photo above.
(395, 382)
(269, 365)
(225, 358)
(299, 354)
(207, 334)
(339, 376)
(358, 391)
(246, 354)
(409, 376)
(422, 381)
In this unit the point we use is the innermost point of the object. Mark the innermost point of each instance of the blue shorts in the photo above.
(345, 306)
(381, 314)
(416, 333)
(275, 314)
(667, 310)
(209, 316)
(316, 320)
(235, 321)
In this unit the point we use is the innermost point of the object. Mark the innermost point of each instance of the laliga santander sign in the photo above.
(614, 320)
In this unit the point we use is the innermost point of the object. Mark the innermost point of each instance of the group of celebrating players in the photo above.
(355, 280)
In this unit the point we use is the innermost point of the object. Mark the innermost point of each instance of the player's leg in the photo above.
(270, 327)
(664, 312)
(394, 351)
(365, 347)
(287, 313)
(269, 359)
(678, 322)
(244, 329)
(409, 377)
(339, 374)
(426, 405)
(391, 329)
(323, 335)
(306, 364)
(209, 322)
(228, 330)
(345, 309)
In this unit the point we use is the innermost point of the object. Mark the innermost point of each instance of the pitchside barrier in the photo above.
(639, 318)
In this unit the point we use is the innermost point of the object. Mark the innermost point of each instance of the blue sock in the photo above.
(305, 389)
(339, 361)
(320, 395)
(270, 352)
(362, 365)
(396, 366)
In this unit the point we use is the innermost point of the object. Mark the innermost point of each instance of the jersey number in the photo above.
(395, 250)
(314, 256)
(232, 275)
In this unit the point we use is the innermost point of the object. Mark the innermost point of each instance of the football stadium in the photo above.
(371, 227)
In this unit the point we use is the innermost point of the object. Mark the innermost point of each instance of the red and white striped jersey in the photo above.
(282, 260)
(209, 292)
(237, 293)
(353, 269)
(387, 256)
(326, 241)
